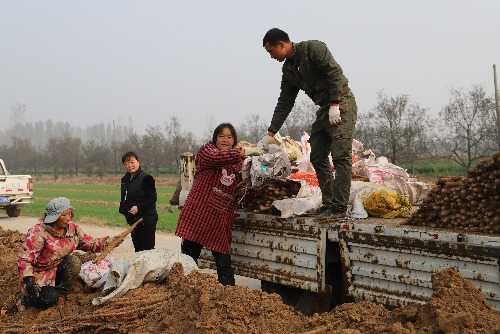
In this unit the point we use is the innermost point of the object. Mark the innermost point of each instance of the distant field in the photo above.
(98, 203)
(96, 200)
(434, 168)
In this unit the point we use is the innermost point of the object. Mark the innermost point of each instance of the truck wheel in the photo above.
(287, 293)
(312, 302)
(13, 211)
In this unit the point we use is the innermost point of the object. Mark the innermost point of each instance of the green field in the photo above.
(434, 168)
(98, 203)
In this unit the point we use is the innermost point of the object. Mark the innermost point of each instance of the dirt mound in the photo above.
(361, 317)
(10, 242)
(456, 307)
(197, 303)
(465, 203)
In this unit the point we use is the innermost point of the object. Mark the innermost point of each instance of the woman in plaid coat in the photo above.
(208, 213)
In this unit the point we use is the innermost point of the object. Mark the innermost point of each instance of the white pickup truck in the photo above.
(15, 191)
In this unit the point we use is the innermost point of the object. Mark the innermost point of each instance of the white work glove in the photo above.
(267, 140)
(334, 114)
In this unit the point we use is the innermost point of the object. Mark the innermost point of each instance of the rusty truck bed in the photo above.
(384, 259)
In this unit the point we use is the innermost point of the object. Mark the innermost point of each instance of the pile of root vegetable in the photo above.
(261, 198)
(470, 203)
(197, 303)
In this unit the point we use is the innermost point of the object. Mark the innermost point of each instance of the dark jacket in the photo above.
(314, 70)
(138, 190)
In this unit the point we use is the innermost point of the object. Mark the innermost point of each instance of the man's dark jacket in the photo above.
(314, 70)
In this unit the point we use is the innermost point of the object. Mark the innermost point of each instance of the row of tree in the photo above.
(464, 130)
(396, 127)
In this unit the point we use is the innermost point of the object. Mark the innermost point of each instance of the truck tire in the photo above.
(288, 294)
(13, 211)
(309, 302)
(306, 302)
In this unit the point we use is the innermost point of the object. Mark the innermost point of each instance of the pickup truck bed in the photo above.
(379, 260)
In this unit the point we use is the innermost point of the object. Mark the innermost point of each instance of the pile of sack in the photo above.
(379, 188)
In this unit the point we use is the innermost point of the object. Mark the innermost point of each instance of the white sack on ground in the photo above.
(147, 266)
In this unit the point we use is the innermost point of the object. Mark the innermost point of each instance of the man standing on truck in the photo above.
(310, 66)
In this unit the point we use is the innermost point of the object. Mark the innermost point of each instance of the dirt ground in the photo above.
(163, 240)
(197, 303)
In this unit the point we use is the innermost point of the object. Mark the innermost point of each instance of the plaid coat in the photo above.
(44, 249)
(208, 213)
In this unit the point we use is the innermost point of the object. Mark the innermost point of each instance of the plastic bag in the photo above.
(305, 164)
(267, 140)
(359, 192)
(307, 199)
(292, 148)
(382, 168)
(309, 177)
(357, 147)
(250, 149)
(269, 166)
(414, 190)
(95, 274)
(387, 203)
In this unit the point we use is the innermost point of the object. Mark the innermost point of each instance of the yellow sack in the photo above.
(387, 203)
(292, 148)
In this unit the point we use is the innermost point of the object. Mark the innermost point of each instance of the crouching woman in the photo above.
(46, 266)
(208, 213)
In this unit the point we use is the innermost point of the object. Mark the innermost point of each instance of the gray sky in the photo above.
(91, 61)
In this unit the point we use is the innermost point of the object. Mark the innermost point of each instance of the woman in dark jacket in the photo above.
(138, 200)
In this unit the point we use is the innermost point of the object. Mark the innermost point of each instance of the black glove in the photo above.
(31, 287)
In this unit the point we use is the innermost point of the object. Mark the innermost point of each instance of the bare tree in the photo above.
(397, 128)
(388, 118)
(97, 157)
(253, 128)
(18, 113)
(153, 143)
(173, 141)
(416, 142)
(469, 118)
(300, 118)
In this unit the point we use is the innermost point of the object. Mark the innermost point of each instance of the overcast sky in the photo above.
(91, 61)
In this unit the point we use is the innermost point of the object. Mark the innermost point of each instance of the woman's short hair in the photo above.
(129, 155)
(221, 127)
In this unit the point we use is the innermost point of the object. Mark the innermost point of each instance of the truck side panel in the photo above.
(285, 251)
(394, 265)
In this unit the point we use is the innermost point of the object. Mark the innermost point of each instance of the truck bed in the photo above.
(383, 260)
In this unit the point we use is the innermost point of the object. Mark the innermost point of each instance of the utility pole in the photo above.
(497, 103)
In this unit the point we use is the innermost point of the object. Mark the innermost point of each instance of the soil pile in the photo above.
(10, 243)
(197, 303)
(465, 203)
(456, 307)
